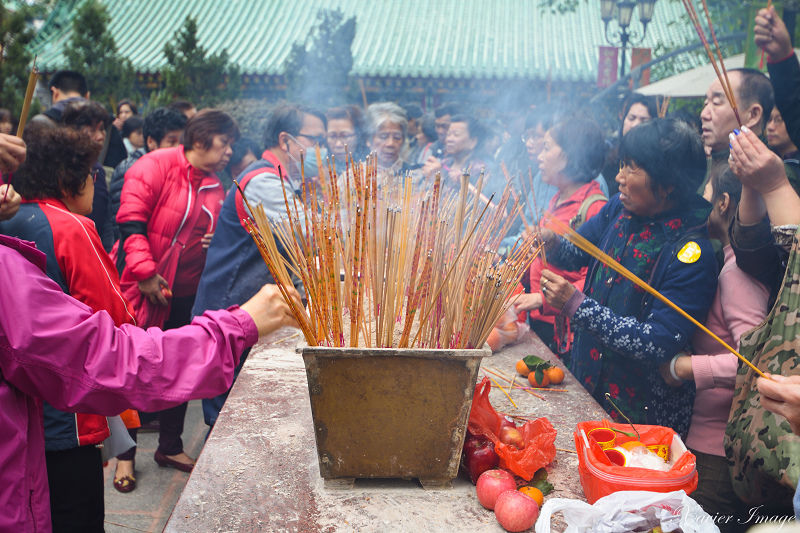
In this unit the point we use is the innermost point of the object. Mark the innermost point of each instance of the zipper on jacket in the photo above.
(188, 207)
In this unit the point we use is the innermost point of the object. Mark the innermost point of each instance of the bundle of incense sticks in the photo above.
(723, 75)
(575, 238)
(394, 261)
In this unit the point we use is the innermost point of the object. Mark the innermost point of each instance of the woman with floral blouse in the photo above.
(656, 227)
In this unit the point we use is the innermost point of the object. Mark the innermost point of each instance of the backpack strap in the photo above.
(576, 221)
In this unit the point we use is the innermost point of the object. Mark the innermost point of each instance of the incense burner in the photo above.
(390, 413)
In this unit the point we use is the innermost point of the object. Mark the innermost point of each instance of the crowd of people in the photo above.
(124, 253)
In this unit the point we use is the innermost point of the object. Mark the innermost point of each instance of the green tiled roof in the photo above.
(475, 39)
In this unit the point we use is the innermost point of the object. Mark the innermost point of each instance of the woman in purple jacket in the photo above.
(100, 368)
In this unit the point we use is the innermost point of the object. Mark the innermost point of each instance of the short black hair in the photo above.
(205, 125)
(692, 119)
(647, 101)
(85, 113)
(69, 81)
(159, 122)
(448, 108)
(755, 87)
(6, 116)
(581, 140)
(723, 180)
(240, 149)
(670, 152)
(181, 105)
(58, 161)
(428, 126)
(475, 128)
(288, 118)
(132, 124)
(412, 110)
(127, 102)
(540, 115)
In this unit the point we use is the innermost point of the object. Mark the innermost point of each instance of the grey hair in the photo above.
(379, 114)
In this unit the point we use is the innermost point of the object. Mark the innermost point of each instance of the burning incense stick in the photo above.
(568, 233)
(761, 62)
(723, 79)
(26, 105)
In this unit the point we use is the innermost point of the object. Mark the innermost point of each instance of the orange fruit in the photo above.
(555, 374)
(631, 444)
(522, 368)
(539, 378)
(534, 493)
(494, 341)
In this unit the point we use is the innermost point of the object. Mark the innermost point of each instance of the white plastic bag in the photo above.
(625, 511)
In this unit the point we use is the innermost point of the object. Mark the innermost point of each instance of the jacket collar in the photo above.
(27, 249)
(275, 162)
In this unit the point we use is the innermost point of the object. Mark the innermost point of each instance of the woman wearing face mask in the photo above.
(168, 211)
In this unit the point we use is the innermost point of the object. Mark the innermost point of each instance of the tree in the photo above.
(318, 68)
(15, 61)
(93, 52)
(193, 74)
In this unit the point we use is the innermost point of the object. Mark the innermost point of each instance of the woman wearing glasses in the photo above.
(57, 184)
(168, 212)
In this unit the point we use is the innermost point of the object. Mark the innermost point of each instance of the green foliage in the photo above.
(318, 68)
(15, 60)
(192, 74)
(251, 114)
(93, 52)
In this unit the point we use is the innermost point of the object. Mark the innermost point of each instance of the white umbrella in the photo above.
(692, 83)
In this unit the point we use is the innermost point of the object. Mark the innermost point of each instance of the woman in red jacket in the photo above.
(168, 210)
(573, 154)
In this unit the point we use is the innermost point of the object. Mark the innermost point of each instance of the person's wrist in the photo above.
(672, 367)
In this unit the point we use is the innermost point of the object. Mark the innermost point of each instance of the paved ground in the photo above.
(157, 489)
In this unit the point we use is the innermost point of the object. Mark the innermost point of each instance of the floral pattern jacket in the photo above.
(622, 333)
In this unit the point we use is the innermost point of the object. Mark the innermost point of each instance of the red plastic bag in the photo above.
(599, 477)
(539, 436)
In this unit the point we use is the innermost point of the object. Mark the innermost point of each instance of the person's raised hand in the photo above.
(151, 287)
(527, 301)
(9, 202)
(781, 395)
(755, 164)
(270, 311)
(12, 152)
(771, 34)
(556, 290)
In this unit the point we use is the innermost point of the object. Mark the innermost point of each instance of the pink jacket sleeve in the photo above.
(744, 306)
(137, 204)
(53, 347)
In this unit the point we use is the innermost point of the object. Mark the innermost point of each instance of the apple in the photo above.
(507, 422)
(478, 457)
(492, 484)
(516, 511)
(511, 436)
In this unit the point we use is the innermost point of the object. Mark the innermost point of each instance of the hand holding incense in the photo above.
(575, 238)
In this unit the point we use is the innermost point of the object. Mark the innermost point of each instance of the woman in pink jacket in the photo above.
(100, 368)
(168, 210)
(739, 305)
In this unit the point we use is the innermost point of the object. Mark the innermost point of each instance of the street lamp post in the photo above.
(622, 11)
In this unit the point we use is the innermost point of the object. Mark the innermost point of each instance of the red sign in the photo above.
(607, 66)
(640, 56)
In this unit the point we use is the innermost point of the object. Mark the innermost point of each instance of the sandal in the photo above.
(125, 483)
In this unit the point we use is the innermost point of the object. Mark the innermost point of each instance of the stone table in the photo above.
(258, 470)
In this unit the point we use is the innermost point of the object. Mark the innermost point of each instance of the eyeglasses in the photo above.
(319, 139)
(343, 137)
(526, 137)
